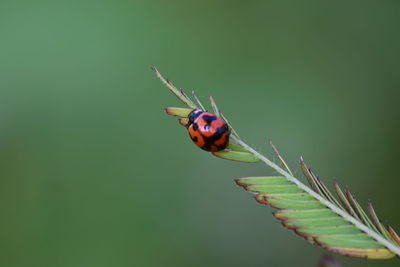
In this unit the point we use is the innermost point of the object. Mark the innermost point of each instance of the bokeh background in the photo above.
(93, 173)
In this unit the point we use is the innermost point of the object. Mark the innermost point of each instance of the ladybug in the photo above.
(207, 130)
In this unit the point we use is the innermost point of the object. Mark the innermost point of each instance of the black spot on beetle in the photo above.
(206, 147)
(222, 147)
(194, 115)
(194, 139)
(209, 118)
(221, 130)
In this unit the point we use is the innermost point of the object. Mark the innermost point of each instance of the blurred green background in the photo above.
(93, 173)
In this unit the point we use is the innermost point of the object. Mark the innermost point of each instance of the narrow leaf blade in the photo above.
(393, 235)
(236, 147)
(236, 156)
(376, 221)
(180, 112)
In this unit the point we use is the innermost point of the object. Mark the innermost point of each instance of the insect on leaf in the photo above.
(339, 225)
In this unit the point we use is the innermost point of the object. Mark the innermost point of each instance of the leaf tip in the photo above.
(183, 121)
(347, 190)
(262, 199)
(240, 183)
(395, 237)
(180, 112)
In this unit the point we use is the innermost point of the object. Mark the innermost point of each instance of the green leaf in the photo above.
(311, 232)
(183, 121)
(236, 147)
(308, 217)
(180, 112)
(309, 213)
(236, 156)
